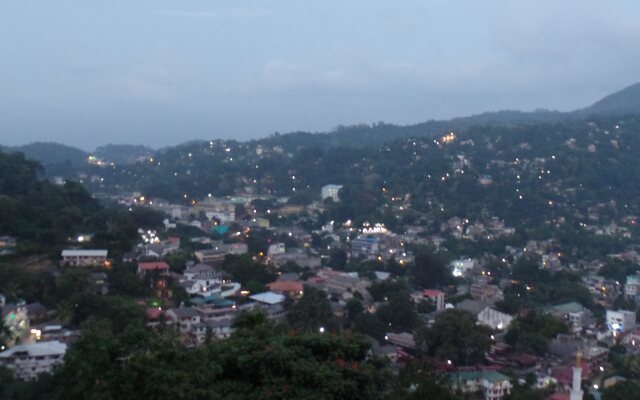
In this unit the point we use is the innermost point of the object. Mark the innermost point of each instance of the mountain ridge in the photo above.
(619, 103)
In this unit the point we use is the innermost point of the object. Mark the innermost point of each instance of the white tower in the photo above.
(576, 389)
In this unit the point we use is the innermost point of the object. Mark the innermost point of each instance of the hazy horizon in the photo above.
(160, 73)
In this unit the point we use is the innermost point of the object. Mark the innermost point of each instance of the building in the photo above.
(365, 247)
(15, 317)
(575, 313)
(30, 360)
(632, 287)
(494, 319)
(493, 385)
(210, 256)
(331, 191)
(462, 266)
(276, 249)
(268, 298)
(292, 289)
(84, 258)
(433, 296)
(161, 267)
(483, 291)
(620, 321)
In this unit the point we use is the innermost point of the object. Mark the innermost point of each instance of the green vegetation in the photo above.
(455, 336)
(532, 332)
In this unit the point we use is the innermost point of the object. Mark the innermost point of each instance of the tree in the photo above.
(627, 390)
(312, 311)
(354, 308)
(399, 313)
(532, 332)
(455, 336)
(429, 271)
(418, 380)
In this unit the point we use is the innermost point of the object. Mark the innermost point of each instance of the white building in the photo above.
(632, 287)
(620, 321)
(276, 249)
(30, 360)
(331, 191)
(84, 258)
(462, 266)
(494, 319)
(492, 384)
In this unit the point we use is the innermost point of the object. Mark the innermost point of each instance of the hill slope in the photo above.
(625, 101)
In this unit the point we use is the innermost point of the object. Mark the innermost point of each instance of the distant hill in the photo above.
(625, 101)
(123, 153)
(48, 153)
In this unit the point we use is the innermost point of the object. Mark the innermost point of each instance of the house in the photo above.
(493, 385)
(83, 258)
(620, 321)
(293, 289)
(331, 191)
(145, 268)
(403, 340)
(30, 360)
(494, 319)
(201, 270)
(183, 318)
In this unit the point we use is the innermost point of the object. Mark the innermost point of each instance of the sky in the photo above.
(156, 72)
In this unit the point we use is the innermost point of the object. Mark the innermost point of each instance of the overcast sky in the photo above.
(156, 72)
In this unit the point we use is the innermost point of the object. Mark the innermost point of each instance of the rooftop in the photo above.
(150, 266)
(268, 298)
(84, 253)
(37, 349)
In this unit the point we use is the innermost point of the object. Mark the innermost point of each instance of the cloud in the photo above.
(234, 13)
(192, 14)
(155, 84)
(282, 74)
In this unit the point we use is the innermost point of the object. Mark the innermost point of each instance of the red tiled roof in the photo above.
(432, 292)
(285, 286)
(150, 266)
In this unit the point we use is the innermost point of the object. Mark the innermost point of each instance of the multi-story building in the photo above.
(493, 385)
(30, 360)
(365, 247)
(84, 258)
(632, 287)
(620, 321)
